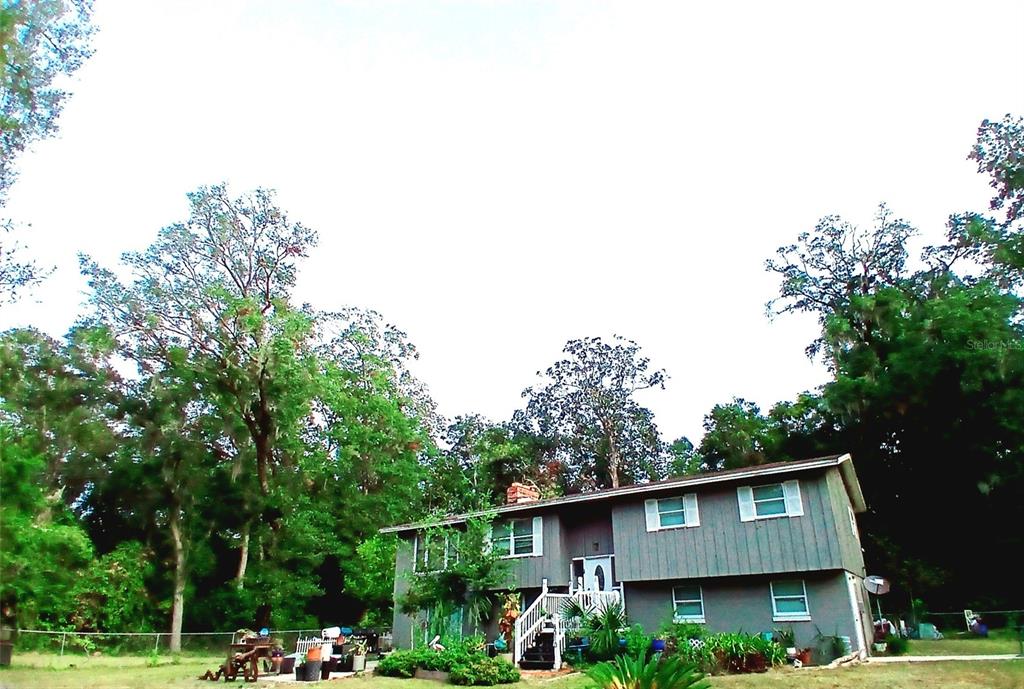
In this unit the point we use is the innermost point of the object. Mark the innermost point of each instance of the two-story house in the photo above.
(751, 549)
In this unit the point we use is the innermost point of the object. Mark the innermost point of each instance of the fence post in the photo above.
(156, 648)
(63, 638)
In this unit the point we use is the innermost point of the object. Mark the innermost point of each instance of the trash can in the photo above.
(6, 647)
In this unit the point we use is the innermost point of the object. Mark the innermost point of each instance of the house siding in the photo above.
(744, 604)
(583, 528)
(849, 544)
(524, 573)
(402, 625)
(530, 572)
(724, 546)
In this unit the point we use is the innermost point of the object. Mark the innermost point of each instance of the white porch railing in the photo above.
(530, 621)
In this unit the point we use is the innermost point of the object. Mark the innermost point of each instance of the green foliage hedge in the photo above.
(485, 672)
(465, 667)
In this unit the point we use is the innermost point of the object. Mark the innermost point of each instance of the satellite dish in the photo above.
(876, 585)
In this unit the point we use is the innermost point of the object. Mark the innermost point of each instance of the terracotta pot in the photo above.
(804, 656)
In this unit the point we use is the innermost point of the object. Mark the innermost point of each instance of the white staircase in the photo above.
(530, 622)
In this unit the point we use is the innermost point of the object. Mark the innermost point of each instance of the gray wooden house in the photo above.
(750, 549)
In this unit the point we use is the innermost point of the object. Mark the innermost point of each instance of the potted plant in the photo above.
(658, 643)
(311, 669)
(507, 623)
(803, 656)
(359, 656)
(787, 639)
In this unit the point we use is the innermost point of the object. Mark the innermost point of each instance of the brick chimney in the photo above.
(519, 492)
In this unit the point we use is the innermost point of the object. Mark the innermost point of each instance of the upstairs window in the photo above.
(789, 601)
(672, 513)
(518, 537)
(687, 604)
(433, 552)
(770, 501)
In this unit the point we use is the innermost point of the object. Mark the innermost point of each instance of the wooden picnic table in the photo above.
(242, 658)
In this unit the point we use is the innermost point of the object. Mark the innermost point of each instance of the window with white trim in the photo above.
(853, 523)
(433, 552)
(517, 537)
(687, 603)
(789, 601)
(770, 501)
(672, 513)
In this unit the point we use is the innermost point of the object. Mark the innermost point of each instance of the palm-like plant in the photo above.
(604, 627)
(626, 672)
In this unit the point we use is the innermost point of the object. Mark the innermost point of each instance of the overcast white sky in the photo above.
(499, 177)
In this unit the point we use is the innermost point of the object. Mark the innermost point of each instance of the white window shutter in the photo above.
(415, 550)
(651, 510)
(538, 535)
(746, 499)
(794, 504)
(489, 538)
(692, 513)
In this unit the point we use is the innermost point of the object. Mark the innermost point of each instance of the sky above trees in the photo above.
(498, 178)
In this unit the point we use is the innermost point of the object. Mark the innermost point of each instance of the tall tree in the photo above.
(212, 295)
(928, 370)
(52, 427)
(737, 434)
(830, 266)
(587, 403)
(41, 41)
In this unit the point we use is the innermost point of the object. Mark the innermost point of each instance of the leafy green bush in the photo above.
(628, 672)
(897, 645)
(774, 654)
(399, 664)
(732, 651)
(466, 665)
(485, 672)
(637, 642)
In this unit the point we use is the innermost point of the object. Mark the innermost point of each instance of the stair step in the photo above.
(537, 664)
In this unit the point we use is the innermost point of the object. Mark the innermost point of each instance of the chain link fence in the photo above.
(955, 622)
(141, 643)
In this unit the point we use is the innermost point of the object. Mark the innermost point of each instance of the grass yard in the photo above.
(998, 641)
(41, 671)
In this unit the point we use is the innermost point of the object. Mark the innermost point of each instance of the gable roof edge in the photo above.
(844, 462)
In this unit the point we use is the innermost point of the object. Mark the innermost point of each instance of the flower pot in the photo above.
(880, 646)
(506, 656)
(804, 656)
(657, 645)
(311, 671)
(359, 663)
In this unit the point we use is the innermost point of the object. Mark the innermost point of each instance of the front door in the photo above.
(597, 573)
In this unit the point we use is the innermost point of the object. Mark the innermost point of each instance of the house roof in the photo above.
(844, 462)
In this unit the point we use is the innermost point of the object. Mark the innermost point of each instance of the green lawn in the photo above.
(1000, 641)
(38, 671)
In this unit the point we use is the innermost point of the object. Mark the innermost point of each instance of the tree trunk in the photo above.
(243, 559)
(178, 606)
(614, 457)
